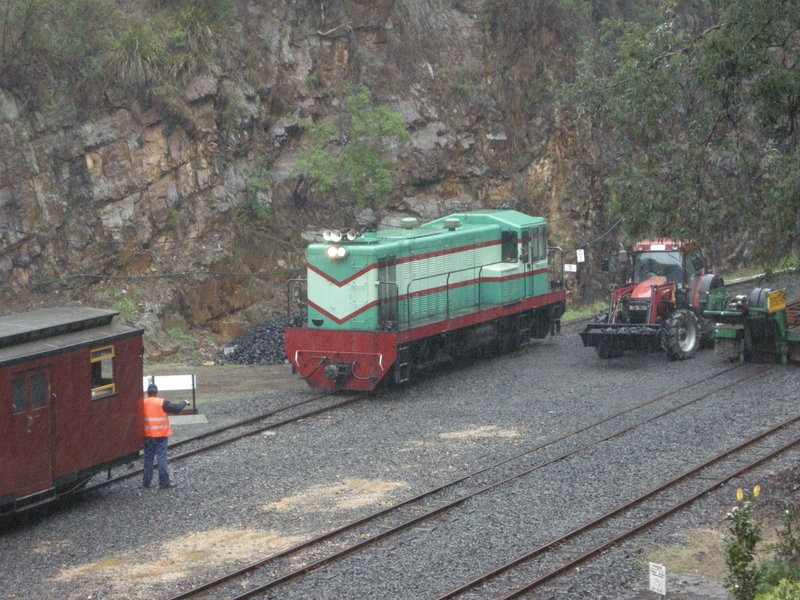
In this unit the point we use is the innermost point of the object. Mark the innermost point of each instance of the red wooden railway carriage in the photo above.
(70, 383)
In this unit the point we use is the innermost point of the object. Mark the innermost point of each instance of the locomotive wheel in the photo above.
(682, 335)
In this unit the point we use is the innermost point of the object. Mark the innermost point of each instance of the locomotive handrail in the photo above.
(301, 281)
(447, 288)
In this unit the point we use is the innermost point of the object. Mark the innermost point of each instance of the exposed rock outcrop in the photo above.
(158, 193)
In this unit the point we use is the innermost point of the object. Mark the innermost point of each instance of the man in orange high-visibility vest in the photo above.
(156, 433)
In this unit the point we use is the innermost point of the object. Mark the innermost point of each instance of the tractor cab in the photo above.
(665, 260)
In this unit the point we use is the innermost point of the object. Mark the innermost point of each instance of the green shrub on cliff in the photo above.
(347, 155)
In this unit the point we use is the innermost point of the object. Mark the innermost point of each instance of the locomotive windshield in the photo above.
(670, 265)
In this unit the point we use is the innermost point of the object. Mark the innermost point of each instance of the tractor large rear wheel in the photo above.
(682, 335)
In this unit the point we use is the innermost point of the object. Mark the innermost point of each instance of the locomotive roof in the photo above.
(503, 218)
(508, 218)
(50, 322)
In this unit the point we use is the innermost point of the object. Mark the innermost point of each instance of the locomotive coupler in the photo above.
(339, 372)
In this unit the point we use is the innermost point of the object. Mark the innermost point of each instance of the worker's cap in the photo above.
(152, 389)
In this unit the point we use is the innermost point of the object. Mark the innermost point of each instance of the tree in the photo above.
(703, 110)
(347, 155)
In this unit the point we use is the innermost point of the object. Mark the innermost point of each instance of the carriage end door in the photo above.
(33, 444)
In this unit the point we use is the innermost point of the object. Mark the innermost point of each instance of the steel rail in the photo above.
(195, 592)
(235, 438)
(627, 506)
(248, 421)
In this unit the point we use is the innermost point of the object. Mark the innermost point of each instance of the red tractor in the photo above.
(661, 306)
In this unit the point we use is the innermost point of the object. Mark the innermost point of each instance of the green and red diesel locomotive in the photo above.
(387, 304)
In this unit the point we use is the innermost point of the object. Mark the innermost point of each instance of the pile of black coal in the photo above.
(262, 345)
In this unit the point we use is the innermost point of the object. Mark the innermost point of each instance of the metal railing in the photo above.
(447, 288)
(301, 284)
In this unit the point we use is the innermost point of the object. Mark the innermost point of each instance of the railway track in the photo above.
(253, 426)
(535, 569)
(228, 434)
(250, 427)
(281, 568)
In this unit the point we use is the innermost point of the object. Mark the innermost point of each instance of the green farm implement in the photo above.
(760, 325)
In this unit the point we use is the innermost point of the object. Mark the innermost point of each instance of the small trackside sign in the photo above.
(571, 268)
(658, 579)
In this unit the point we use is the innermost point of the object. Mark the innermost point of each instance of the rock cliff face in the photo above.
(144, 207)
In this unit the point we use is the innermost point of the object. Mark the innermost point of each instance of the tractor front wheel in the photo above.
(682, 335)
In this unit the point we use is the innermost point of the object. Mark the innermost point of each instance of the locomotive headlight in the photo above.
(334, 235)
(336, 252)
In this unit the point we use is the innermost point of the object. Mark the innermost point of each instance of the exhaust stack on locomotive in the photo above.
(393, 302)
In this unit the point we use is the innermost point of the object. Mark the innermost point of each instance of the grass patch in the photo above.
(125, 306)
(178, 334)
(702, 553)
(791, 262)
(585, 311)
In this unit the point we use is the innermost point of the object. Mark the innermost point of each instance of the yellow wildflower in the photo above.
(756, 491)
(739, 495)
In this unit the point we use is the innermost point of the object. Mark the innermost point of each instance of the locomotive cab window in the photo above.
(540, 243)
(103, 372)
(509, 246)
(526, 242)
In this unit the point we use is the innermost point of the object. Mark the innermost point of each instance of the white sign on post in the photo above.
(571, 268)
(658, 579)
(581, 255)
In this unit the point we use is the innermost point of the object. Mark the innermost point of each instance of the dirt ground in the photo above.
(232, 382)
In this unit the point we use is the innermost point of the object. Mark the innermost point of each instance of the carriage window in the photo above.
(18, 394)
(29, 389)
(103, 372)
(38, 391)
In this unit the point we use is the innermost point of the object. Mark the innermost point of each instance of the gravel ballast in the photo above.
(257, 496)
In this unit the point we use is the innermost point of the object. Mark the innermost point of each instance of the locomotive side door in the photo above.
(525, 259)
(33, 447)
(388, 317)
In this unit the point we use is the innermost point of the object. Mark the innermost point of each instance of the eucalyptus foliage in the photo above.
(347, 154)
(702, 110)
